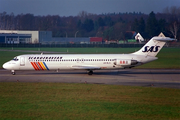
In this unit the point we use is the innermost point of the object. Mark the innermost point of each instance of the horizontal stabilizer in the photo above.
(165, 39)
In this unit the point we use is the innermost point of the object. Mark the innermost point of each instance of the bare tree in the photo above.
(83, 15)
(174, 10)
(174, 29)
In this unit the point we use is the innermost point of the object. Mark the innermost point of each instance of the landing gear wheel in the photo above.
(13, 73)
(90, 72)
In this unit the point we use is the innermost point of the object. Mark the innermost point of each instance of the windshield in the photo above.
(15, 59)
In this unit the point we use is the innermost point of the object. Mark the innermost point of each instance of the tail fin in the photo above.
(152, 47)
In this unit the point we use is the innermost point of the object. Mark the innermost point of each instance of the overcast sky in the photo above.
(73, 7)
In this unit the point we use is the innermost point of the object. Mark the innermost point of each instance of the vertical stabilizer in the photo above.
(153, 47)
(161, 35)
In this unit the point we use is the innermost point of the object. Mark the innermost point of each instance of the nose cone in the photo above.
(6, 66)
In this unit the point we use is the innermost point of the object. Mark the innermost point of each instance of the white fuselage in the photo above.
(76, 61)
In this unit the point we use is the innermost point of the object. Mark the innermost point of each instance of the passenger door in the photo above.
(22, 61)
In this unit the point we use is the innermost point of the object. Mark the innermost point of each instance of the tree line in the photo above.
(111, 26)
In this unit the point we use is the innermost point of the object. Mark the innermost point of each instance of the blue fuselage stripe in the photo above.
(45, 65)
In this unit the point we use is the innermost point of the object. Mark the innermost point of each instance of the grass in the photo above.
(167, 58)
(80, 50)
(87, 101)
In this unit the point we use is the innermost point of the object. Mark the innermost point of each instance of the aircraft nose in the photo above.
(6, 66)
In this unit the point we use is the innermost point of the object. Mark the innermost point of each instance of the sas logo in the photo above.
(151, 49)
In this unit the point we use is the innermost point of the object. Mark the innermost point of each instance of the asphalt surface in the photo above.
(169, 78)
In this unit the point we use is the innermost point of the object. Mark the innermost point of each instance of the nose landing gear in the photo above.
(13, 72)
(90, 72)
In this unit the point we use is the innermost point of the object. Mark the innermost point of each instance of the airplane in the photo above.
(88, 62)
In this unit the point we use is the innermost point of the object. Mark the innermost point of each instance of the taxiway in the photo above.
(136, 77)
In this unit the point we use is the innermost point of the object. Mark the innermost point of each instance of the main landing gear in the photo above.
(90, 72)
(13, 72)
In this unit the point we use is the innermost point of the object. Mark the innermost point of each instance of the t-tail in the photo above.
(153, 47)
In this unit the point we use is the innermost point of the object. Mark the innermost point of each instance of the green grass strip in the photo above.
(63, 101)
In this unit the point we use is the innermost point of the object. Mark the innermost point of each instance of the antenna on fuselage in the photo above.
(42, 53)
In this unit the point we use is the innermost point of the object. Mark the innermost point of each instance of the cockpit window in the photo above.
(15, 59)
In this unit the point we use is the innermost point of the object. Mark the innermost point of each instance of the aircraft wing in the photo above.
(85, 67)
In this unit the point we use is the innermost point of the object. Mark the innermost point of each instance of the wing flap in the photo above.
(85, 67)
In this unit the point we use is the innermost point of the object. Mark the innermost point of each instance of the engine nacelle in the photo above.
(125, 62)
